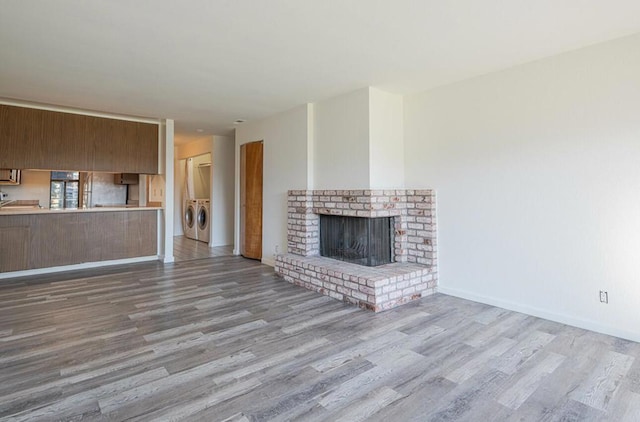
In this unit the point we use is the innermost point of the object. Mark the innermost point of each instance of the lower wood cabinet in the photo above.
(14, 248)
(51, 239)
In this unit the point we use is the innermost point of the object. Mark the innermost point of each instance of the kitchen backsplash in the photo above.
(106, 192)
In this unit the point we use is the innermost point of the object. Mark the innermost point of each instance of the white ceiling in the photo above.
(206, 63)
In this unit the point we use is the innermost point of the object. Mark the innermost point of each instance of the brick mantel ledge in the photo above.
(374, 288)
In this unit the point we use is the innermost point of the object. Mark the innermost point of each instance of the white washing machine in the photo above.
(202, 219)
(189, 216)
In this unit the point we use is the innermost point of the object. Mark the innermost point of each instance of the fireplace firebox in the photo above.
(363, 241)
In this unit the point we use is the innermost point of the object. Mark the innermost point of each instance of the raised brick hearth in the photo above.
(413, 274)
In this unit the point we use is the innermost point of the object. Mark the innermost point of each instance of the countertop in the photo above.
(24, 211)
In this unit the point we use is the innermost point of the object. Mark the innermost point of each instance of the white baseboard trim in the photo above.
(270, 261)
(542, 313)
(83, 266)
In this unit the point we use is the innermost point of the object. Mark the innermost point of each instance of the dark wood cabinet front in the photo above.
(65, 142)
(50, 140)
(21, 133)
(147, 142)
(50, 239)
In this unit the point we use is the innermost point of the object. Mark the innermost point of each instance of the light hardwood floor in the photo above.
(185, 249)
(225, 339)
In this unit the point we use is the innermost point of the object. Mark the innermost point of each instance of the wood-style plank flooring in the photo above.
(224, 339)
(185, 249)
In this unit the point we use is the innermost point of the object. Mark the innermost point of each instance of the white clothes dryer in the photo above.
(204, 212)
(190, 215)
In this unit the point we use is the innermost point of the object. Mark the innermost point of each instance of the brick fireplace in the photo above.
(412, 275)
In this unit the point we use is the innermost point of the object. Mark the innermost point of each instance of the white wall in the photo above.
(285, 167)
(202, 176)
(194, 147)
(166, 183)
(326, 145)
(34, 184)
(386, 143)
(222, 212)
(358, 141)
(537, 172)
(341, 142)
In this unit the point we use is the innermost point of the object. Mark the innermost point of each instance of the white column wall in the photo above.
(386, 143)
(222, 191)
(167, 167)
(341, 142)
(178, 198)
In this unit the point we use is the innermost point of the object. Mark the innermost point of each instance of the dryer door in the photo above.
(203, 218)
(189, 216)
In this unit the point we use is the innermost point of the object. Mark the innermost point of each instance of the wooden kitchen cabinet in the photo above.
(126, 147)
(146, 157)
(14, 247)
(52, 239)
(65, 142)
(21, 136)
(50, 140)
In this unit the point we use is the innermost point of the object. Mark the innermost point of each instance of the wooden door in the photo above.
(251, 200)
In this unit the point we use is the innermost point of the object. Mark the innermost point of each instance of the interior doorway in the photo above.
(251, 156)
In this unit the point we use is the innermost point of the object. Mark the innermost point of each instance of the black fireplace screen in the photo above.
(364, 241)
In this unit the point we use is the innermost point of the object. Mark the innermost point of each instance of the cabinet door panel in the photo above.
(14, 248)
(147, 154)
(124, 139)
(108, 152)
(65, 142)
(99, 137)
(21, 137)
(126, 147)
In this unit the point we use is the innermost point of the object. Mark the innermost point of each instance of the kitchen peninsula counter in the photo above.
(22, 210)
(43, 238)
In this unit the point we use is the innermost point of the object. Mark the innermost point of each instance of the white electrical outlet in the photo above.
(604, 296)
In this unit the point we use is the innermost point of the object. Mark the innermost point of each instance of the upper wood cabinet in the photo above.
(65, 141)
(21, 132)
(128, 147)
(41, 139)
